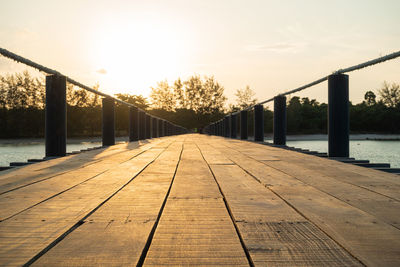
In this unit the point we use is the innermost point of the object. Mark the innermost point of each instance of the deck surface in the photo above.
(196, 200)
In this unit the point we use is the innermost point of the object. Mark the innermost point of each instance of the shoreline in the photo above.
(324, 137)
(72, 140)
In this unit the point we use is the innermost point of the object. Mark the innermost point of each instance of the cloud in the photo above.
(276, 47)
(101, 71)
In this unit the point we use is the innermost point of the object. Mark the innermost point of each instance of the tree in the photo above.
(294, 117)
(179, 94)
(245, 97)
(203, 95)
(137, 100)
(21, 90)
(162, 96)
(193, 92)
(212, 99)
(390, 94)
(370, 98)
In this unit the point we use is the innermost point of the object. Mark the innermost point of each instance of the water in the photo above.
(22, 150)
(378, 149)
(375, 151)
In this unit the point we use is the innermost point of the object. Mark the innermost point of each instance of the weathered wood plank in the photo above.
(335, 179)
(377, 181)
(13, 202)
(116, 234)
(367, 237)
(273, 232)
(371, 202)
(40, 171)
(36, 228)
(195, 201)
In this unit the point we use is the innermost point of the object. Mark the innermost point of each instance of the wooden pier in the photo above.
(197, 200)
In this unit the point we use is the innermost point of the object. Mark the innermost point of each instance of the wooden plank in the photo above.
(47, 169)
(371, 202)
(211, 155)
(387, 184)
(25, 235)
(196, 204)
(335, 179)
(116, 234)
(367, 237)
(273, 232)
(15, 201)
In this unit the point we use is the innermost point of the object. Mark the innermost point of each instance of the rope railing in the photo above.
(338, 113)
(28, 62)
(142, 125)
(340, 71)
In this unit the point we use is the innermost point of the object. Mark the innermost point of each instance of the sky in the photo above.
(271, 46)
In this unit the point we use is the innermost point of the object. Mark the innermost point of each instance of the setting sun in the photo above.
(136, 55)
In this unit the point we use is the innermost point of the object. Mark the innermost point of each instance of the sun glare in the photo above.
(134, 57)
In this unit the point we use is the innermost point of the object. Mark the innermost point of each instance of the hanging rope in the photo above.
(340, 71)
(47, 70)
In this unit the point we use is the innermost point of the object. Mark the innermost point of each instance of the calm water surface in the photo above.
(22, 150)
(374, 151)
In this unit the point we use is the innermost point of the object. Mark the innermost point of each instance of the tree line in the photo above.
(192, 103)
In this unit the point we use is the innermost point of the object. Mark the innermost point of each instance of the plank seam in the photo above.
(61, 173)
(246, 251)
(329, 194)
(81, 221)
(153, 230)
(298, 211)
(59, 193)
(366, 188)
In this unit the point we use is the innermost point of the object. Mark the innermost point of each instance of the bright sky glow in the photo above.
(272, 46)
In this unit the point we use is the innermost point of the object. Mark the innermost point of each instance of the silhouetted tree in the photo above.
(196, 102)
(370, 98)
(390, 94)
(21, 90)
(201, 95)
(137, 100)
(179, 94)
(245, 97)
(163, 97)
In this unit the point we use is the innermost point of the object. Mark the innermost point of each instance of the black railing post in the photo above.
(133, 124)
(237, 124)
(280, 120)
(226, 126)
(259, 123)
(160, 128)
(338, 115)
(108, 131)
(165, 128)
(243, 125)
(155, 127)
(142, 125)
(233, 126)
(148, 126)
(56, 116)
